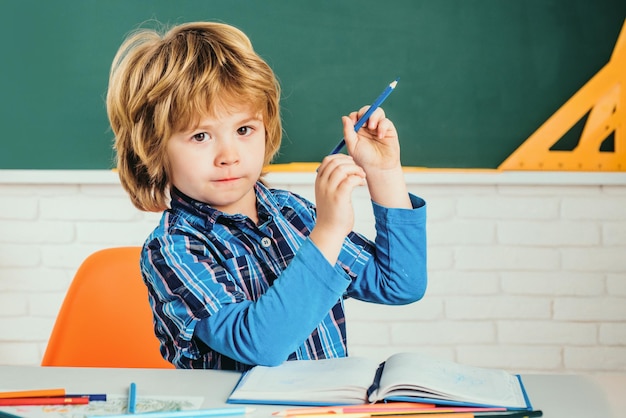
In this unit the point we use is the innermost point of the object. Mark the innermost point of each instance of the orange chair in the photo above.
(105, 319)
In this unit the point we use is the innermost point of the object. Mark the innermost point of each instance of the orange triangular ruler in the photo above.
(603, 100)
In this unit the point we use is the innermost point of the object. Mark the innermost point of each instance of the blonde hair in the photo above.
(161, 84)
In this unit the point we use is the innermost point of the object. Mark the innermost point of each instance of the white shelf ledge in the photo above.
(437, 176)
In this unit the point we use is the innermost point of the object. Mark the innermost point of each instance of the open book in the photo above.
(402, 377)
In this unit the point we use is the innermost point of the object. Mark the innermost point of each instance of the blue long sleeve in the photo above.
(399, 273)
(267, 331)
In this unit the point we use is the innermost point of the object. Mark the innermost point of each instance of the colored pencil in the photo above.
(36, 393)
(375, 105)
(52, 400)
(363, 408)
(511, 414)
(196, 413)
(132, 398)
(437, 413)
(384, 413)
(90, 396)
(430, 413)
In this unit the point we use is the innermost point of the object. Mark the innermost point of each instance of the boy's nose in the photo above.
(228, 153)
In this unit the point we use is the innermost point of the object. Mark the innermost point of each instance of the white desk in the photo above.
(559, 396)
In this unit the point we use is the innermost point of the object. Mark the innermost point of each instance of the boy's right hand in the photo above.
(337, 177)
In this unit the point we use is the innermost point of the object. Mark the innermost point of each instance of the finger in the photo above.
(354, 117)
(349, 183)
(344, 179)
(343, 167)
(336, 168)
(330, 163)
(384, 126)
(362, 111)
(349, 135)
(376, 117)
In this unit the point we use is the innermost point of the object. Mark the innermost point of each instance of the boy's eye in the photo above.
(200, 137)
(244, 130)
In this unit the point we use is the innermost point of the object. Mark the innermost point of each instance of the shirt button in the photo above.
(266, 242)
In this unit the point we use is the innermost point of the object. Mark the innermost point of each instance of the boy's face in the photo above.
(219, 161)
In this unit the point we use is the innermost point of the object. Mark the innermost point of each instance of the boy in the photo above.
(239, 274)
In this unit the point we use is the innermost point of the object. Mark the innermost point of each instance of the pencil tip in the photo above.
(394, 83)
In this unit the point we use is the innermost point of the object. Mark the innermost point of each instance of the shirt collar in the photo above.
(267, 203)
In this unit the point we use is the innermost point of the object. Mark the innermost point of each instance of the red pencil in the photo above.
(44, 401)
(374, 409)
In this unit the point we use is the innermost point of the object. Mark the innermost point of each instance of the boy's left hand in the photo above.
(376, 145)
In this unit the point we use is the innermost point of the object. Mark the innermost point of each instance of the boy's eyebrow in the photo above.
(255, 118)
(242, 121)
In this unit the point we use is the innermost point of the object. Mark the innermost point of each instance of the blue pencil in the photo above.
(132, 398)
(359, 123)
(91, 396)
(196, 413)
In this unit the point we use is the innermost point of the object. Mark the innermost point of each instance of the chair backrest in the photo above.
(105, 319)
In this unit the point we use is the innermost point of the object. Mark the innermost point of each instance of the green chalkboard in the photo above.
(477, 77)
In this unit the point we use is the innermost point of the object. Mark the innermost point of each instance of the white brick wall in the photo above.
(526, 274)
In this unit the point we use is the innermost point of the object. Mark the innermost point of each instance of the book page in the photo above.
(405, 373)
(304, 382)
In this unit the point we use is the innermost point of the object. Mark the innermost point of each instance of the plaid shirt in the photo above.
(206, 272)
